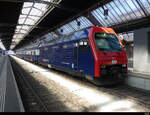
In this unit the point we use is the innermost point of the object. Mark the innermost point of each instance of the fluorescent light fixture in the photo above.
(2, 46)
(30, 15)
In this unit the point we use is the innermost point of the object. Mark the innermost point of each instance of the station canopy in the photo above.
(45, 18)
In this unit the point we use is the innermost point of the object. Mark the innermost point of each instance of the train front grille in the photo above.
(112, 70)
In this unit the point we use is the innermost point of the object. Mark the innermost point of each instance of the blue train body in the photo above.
(70, 54)
(95, 52)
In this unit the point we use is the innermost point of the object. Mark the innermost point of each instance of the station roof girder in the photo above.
(123, 15)
(9, 13)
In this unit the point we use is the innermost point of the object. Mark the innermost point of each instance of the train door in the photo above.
(75, 65)
(45, 56)
(84, 57)
(31, 55)
(41, 55)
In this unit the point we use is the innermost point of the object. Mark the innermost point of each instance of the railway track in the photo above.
(31, 99)
(35, 95)
(133, 94)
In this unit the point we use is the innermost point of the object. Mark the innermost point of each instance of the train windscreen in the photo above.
(107, 42)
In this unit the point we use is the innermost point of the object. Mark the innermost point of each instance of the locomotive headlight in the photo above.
(85, 43)
(124, 65)
(103, 66)
(81, 43)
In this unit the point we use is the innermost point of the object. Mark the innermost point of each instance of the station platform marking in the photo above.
(10, 100)
(2, 85)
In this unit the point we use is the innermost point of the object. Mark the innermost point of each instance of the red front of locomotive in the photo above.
(109, 54)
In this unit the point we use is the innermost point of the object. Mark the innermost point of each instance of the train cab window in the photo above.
(107, 42)
(84, 46)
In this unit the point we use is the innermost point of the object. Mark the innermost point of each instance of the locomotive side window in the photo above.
(84, 46)
(107, 42)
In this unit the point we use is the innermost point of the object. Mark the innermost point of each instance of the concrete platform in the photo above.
(10, 100)
(138, 79)
(64, 93)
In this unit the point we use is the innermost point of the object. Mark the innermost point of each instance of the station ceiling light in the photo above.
(2, 46)
(31, 15)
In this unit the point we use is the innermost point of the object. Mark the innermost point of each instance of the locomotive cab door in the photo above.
(75, 65)
(85, 60)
